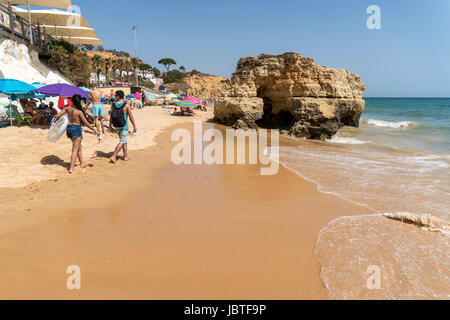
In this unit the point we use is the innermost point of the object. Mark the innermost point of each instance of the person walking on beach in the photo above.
(76, 118)
(143, 98)
(120, 113)
(97, 110)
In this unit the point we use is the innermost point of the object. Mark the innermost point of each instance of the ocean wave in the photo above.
(426, 221)
(390, 124)
(429, 162)
(348, 246)
(343, 140)
(421, 180)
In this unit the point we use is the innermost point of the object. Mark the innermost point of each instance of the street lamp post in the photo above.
(135, 53)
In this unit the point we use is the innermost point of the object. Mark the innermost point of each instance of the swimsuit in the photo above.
(74, 131)
(97, 110)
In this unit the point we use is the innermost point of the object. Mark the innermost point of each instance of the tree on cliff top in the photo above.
(167, 63)
(173, 76)
(144, 67)
(156, 72)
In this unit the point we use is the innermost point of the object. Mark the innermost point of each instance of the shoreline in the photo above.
(258, 244)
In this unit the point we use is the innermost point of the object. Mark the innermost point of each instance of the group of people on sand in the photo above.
(120, 115)
(42, 115)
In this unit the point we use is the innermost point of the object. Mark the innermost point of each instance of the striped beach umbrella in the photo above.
(186, 104)
(193, 100)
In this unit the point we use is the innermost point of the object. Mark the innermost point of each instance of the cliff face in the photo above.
(200, 85)
(290, 92)
(17, 62)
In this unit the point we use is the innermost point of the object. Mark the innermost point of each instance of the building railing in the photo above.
(16, 28)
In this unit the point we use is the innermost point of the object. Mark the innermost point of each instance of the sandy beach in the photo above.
(315, 169)
(148, 229)
(28, 157)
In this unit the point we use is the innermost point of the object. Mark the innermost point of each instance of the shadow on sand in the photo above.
(101, 154)
(55, 161)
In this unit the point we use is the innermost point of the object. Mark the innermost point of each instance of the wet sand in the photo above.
(148, 229)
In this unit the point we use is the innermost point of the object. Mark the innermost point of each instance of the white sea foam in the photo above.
(412, 264)
(344, 140)
(425, 221)
(390, 124)
(382, 181)
(429, 162)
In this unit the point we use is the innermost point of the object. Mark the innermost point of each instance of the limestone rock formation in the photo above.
(200, 85)
(290, 92)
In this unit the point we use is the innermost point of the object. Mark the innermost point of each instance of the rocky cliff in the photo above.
(200, 85)
(291, 93)
(17, 62)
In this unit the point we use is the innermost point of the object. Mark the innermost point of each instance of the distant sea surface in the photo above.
(398, 164)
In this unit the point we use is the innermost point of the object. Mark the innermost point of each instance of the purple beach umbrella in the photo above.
(62, 89)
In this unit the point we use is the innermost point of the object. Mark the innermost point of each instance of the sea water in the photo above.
(398, 164)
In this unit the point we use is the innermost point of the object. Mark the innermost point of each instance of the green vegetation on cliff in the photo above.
(70, 61)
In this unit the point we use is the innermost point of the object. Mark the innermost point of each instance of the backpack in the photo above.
(118, 116)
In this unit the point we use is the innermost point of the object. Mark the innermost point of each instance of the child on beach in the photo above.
(76, 117)
(120, 113)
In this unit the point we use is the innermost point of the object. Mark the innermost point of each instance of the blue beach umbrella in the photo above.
(31, 95)
(38, 85)
(9, 86)
(12, 86)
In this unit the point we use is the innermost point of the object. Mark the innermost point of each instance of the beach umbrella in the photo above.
(150, 96)
(9, 86)
(62, 89)
(12, 86)
(171, 95)
(31, 95)
(65, 4)
(83, 40)
(85, 89)
(186, 104)
(69, 31)
(38, 85)
(193, 100)
(53, 17)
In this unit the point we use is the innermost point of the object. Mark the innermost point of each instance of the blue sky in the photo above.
(409, 56)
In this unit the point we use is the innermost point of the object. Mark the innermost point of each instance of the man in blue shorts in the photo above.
(97, 110)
